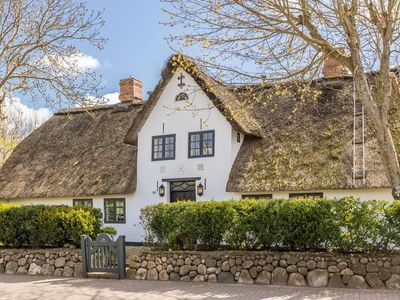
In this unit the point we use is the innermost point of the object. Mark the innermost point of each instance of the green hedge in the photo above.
(347, 224)
(39, 225)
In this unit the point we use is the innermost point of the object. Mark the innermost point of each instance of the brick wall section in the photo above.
(48, 262)
(295, 269)
(130, 90)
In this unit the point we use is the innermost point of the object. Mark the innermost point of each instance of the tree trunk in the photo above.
(389, 156)
(383, 133)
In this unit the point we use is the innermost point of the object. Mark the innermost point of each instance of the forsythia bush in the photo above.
(346, 224)
(39, 225)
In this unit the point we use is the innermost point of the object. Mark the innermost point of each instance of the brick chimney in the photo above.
(333, 69)
(130, 90)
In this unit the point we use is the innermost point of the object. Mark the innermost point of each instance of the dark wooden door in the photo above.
(182, 191)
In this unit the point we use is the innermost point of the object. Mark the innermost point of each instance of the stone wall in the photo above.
(296, 269)
(48, 262)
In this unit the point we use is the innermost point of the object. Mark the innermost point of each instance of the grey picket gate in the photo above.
(103, 255)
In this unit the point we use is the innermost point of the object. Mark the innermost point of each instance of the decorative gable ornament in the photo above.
(181, 84)
(182, 97)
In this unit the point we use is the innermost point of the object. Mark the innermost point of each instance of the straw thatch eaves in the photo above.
(75, 153)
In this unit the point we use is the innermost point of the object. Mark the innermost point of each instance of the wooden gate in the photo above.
(104, 255)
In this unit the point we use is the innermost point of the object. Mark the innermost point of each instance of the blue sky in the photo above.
(136, 44)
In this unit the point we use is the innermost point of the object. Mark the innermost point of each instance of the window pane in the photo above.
(208, 136)
(195, 138)
(195, 152)
(158, 141)
(110, 214)
(306, 195)
(83, 203)
(207, 151)
(169, 154)
(114, 210)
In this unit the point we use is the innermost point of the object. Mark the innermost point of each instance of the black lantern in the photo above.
(161, 190)
(200, 190)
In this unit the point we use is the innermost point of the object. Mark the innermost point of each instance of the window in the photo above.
(201, 144)
(83, 202)
(114, 210)
(257, 196)
(163, 147)
(306, 195)
(182, 97)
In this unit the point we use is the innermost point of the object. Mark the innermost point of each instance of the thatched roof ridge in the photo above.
(221, 96)
(75, 153)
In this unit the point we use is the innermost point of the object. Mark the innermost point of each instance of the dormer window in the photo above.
(182, 97)
(201, 143)
(163, 147)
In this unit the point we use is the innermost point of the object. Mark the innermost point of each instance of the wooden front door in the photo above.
(182, 191)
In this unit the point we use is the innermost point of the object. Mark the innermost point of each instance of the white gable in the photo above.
(180, 118)
(197, 113)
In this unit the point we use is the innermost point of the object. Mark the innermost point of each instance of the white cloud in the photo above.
(33, 118)
(111, 98)
(75, 63)
(84, 62)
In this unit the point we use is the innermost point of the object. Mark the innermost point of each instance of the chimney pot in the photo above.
(130, 90)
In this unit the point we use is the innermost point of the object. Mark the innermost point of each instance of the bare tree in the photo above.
(39, 50)
(14, 127)
(265, 41)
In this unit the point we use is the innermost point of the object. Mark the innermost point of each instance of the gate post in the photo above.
(121, 257)
(84, 253)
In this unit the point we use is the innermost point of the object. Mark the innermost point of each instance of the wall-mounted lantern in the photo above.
(161, 190)
(200, 190)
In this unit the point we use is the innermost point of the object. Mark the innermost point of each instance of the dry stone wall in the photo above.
(295, 269)
(48, 262)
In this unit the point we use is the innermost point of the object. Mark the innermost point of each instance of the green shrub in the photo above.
(346, 224)
(37, 226)
(109, 230)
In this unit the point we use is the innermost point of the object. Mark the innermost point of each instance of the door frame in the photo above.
(170, 180)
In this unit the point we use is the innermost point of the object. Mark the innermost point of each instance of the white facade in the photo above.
(180, 118)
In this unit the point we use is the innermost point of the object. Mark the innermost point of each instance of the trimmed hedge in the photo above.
(347, 224)
(40, 225)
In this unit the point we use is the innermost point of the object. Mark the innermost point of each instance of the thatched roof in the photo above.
(294, 140)
(307, 142)
(222, 98)
(77, 152)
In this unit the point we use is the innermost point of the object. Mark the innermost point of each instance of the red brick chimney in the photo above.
(130, 90)
(332, 68)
